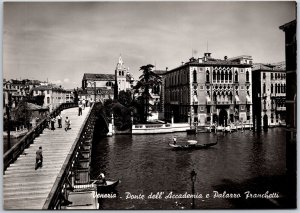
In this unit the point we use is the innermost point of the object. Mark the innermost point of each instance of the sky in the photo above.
(59, 42)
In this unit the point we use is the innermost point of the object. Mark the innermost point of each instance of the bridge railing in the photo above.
(13, 153)
(54, 197)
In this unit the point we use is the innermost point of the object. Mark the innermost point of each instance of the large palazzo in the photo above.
(210, 91)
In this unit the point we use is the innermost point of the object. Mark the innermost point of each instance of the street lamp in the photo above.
(193, 179)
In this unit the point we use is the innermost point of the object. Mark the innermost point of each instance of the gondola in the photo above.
(191, 146)
(108, 187)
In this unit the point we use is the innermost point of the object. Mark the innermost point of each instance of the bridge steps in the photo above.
(27, 188)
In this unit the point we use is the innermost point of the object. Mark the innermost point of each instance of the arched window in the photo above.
(271, 76)
(215, 96)
(218, 75)
(119, 72)
(222, 75)
(264, 104)
(271, 88)
(275, 76)
(214, 75)
(247, 76)
(226, 75)
(281, 87)
(122, 73)
(276, 91)
(230, 75)
(264, 88)
(207, 76)
(194, 76)
(236, 77)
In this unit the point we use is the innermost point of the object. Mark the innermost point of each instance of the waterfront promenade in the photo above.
(27, 188)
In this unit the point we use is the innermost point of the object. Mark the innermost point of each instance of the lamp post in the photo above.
(193, 179)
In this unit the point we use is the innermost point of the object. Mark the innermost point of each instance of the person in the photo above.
(83, 104)
(174, 140)
(52, 123)
(102, 179)
(59, 120)
(79, 109)
(68, 123)
(39, 158)
(48, 119)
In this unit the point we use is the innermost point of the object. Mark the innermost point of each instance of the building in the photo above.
(290, 30)
(269, 92)
(102, 86)
(97, 86)
(210, 91)
(123, 79)
(53, 95)
(17, 90)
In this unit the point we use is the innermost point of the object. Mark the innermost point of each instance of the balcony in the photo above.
(281, 109)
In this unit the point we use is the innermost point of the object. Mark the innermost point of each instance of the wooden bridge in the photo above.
(65, 153)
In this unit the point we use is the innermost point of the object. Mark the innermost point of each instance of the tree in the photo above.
(148, 80)
(125, 98)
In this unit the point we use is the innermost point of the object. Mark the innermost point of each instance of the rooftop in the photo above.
(280, 66)
(98, 77)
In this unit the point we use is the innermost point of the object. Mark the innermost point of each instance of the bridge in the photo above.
(65, 163)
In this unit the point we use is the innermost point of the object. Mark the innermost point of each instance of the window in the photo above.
(264, 75)
(272, 76)
(271, 88)
(214, 75)
(207, 76)
(264, 88)
(48, 100)
(247, 76)
(194, 76)
(236, 77)
(222, 75)
(230, 76)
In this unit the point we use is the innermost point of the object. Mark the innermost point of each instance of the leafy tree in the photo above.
(125, 98)
(148, 80)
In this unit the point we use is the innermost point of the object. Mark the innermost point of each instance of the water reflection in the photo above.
(146, 164)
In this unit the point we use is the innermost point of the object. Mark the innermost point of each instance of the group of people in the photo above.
(82, 104)
(52, 120)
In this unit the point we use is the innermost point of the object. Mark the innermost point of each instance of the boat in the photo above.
(108, 187)
(192, 144)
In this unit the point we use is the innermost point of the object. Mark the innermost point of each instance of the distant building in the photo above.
(102, 86)
(99, 86)
(53, 95)
(17, 90)
(210, 90)
(123, 79)
(269, 94)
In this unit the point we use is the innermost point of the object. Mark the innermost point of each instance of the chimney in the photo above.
(166, 68)
(225, 57)
(207, 55)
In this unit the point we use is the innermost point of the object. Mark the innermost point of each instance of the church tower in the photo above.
(120, 77)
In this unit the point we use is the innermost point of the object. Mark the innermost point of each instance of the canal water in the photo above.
(145, 164)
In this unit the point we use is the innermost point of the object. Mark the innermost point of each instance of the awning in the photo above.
(237, 98)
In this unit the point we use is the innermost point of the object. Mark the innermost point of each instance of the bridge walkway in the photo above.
(27, 188)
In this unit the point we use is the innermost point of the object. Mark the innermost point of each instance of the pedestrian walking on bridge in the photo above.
(59, 118)
(39, 158)
(68, 123)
